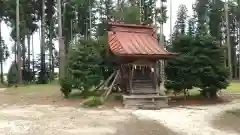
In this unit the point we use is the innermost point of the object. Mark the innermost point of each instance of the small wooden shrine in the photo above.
(136, 50)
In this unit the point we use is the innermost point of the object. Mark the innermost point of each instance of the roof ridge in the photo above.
(130, 25)
(129, 31)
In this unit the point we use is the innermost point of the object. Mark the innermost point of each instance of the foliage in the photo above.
(178, 70)
(12, 75)
(130, 14)
(199, 64)
(180, 27)
(201, 8)
(85, 64)
(66, 86)
(80, 17)
(209, 60)
(93, 101)
(215, 18)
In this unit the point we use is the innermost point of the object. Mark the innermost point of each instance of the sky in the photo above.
(166, 29)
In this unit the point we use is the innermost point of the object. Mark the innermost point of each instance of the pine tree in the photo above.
(178, 72)
(209, 62)
(215, 18)
(180, 27)
(201, 8)
(191, 31)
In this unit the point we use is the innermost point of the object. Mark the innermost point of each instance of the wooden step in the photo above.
(146, 87)
(139, 92)
(145, 101)
(143, 90)
(142, 81)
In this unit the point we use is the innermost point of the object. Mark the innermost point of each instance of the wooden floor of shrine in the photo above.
(144, 96)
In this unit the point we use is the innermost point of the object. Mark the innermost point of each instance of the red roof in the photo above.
(135, 40)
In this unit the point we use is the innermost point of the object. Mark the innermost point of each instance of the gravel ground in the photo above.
(52, 120)
(190, 120)
(228, 120)
(41, 110)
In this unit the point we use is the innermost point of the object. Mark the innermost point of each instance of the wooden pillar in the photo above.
(162, 73)
(122, 80)
(132, 72)
(156, 77)
(130, 78)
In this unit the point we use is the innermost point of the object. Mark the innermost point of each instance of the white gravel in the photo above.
(52, 120)
(190, 120)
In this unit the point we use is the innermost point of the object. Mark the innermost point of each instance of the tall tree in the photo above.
(106, 11)
(191, 27)
(237, 11)
(201, 8)
(62, 56)
(50, 21)
(180, 26)
(42, 75)
(215, 18)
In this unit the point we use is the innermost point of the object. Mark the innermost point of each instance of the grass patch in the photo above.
(115, 97)
(93, 101)
(35, 90)
(234, 87)
(84, 94)
(35, 87)
(3, 85)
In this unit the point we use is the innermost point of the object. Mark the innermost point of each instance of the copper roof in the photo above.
(135, 40)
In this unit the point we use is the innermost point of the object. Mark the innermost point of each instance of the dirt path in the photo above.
(50, 120)
(43, 111)
(194, 120)
(136, 126)
(228, 120)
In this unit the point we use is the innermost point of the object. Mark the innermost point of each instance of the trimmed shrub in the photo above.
(12, 76)
(66, 87)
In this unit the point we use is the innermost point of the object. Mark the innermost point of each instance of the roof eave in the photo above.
(157, 56)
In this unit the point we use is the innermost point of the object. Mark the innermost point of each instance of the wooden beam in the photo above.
(111, 86)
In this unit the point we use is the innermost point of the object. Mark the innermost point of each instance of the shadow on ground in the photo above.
(228, 120)
(137, 126)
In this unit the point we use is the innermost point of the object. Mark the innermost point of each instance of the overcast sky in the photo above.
(6, 30)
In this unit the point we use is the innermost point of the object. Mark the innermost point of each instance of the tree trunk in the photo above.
(19, 60)
(61, 43)
(213, 94)
(23, 56)
(29, 59)
(1, 45)
(15, 52)
(228, 42)
(51, 62)
(238, 49)
(2, 78)
(33, 60)
(43, 69)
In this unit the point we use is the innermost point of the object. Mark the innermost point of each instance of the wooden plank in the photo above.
(144, 96)
(111, 86)
(145, 102)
